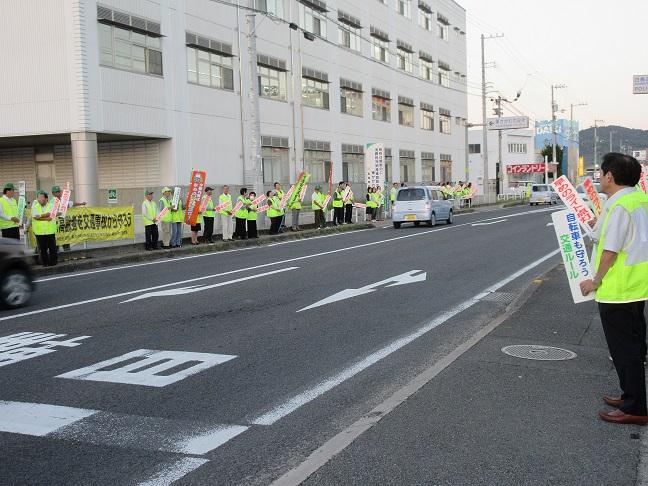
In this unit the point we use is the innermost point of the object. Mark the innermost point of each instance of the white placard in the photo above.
(574, 253)
(574, 202)
(375, 164)
(175, 200)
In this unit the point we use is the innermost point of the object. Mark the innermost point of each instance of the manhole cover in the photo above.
(504, 297)
(542, 353)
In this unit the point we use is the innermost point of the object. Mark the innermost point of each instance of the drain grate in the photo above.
(504, 297)
(542, 353)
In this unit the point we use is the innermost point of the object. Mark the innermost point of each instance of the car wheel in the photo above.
(15, 289)
(397, 225)
(449, 220)
(432, 222)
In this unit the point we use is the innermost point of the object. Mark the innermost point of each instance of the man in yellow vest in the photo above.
(338, 205)
(621, 284)
(149, 220)
(317, 204)
(208, 216)
(44, 228)
(275, 213)
(167, 219)
(348, 204)
(295, 208)
(227, 224)
(9, 222)
(177, 222)
(280, 195)
(252, 216)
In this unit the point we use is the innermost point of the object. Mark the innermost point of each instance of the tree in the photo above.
(548, 151)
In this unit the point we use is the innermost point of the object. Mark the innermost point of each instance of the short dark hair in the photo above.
(252, 192)
(275, 184)
(243, 190)
(268, 193)
(625, 169)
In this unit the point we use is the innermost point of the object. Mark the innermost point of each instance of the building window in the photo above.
(446, 167)
(312, 20)
(405, 60)
(426, 68)
(209, 69)
(517, 148)
(351, 102)
(474, 148)
(315, 93)
(272, 83)
(404, 7)
(426, 20)
(445, 123)
(381, 108)
(349, 36)
(380, 50)
(427, 168)
(407, 169)
(444, 77)
(388, 167)
(442, 31)
(353, 167)
(405, 115)
(130, 50)
(427, 120)
(318, 164)
(275, 164)
(273, 7)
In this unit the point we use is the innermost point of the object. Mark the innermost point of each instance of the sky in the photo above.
(591, 46)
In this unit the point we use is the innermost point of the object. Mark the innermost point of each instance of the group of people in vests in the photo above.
(460, 191)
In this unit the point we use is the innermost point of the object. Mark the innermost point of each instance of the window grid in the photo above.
(349, 37)
(405, 115)
(312, 20)
(427, 69)
(209, 69)
(129, 50)
(427, 120)
(315, 93)
(381, 109)
(380, 50)
(405, 60)
(351, 102)
(272, 83)
(445, 124)
(404, 7)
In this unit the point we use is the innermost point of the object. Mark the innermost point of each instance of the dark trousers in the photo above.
(47, 249)
(348, 213)
(151, 236)
(625, 332)
(11, 233)
(320, 220)
(209, 229)
(338, 215)
(252, 228)
(239, 230)
(275, 223)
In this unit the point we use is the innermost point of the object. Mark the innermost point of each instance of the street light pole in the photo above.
(485, 129)
(554, 108)
(572, 137)
(596, 122)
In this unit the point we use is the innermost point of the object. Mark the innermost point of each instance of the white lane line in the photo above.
(491, 222)
(289, 260)
(550, 224)
(303, 398)
(38, 419)
(171, 260)
(172, 471)
(131, 292)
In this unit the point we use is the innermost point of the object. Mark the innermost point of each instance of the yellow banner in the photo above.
(94, 224)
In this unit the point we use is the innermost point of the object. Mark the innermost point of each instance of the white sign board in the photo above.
(574, 254)
(507, 123)
(640, 84)
(375, 164)
(640, 155)
(572, 200)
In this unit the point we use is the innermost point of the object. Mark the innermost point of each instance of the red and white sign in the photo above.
(162, 213)
(258, 200)
(326, 201)
(345, 196)
(529, 168)
(302, 194)
(55, 208)
(573, 201)
(262, 209)
(643, 182)
(237, 206)
(65, 199)
(593, 196)
(286, 197)
(205, 202)
(194, 196)
(360, 205)
(223, 205)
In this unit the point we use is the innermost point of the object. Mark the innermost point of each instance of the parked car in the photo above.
(543, 194)
(421, 204)
(16, 279)
(581, 192)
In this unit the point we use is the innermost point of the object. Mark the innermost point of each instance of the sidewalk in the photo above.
(494, 419)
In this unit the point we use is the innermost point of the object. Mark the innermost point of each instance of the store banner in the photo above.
(94, 224)
(194, 196)
(592, 194)
(574, 202)
(574, 254)
(375, 164)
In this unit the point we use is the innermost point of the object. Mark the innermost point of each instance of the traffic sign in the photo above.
(640, 84)
(508, 123)
(112, 196)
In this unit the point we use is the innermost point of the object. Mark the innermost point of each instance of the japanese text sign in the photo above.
(573, 201)
(593, 196)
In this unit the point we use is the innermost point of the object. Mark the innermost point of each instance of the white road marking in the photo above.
(492, 222)
(172, 471)
(189, 257)
(288, 260)
(550, 224)
(38, 419)
(194, 288)
(27, 345)
(402, 279)
(150, 369)
(303, 398)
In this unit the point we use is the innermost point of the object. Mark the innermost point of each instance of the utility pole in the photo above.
(499, 111)
(596, 122)
(485, 129)
(573, 170)
(611, 132)
(554, 109)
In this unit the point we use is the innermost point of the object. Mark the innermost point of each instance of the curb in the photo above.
(88, 262)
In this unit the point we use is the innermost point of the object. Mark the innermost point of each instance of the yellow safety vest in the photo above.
(168, 217)
(225, 198)
(148, 217)
(42, 227)
(243, 212)
(10, 208)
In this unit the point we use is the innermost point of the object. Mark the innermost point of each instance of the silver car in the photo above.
(421, 204)
(543, 194)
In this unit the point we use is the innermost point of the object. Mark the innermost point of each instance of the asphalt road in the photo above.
(223, 369)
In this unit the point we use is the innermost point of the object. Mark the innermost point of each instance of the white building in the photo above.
(128, 94)
(520, 164)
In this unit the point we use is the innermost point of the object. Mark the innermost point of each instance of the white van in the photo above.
(421, 204)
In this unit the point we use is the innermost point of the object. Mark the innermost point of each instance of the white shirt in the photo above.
(2, 214)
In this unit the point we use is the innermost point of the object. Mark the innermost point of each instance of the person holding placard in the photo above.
(317, 203)
(621, 284)
(44, 228)
(149, 215)
(167, 219)
(348, 204)
(225, 213)
(9, 222)
(177, 220)
(57, 193)
(275, 213)
(208, 216)
(338, 205)
(252, 217)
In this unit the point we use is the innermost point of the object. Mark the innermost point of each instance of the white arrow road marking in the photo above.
(492, 222)
(191, 290)
(403, 279)
(549, 224)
